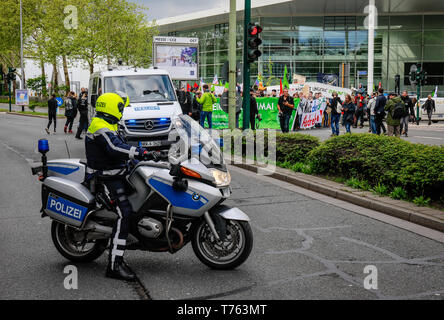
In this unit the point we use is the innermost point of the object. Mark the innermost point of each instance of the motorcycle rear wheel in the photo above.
(64, 239)
(225, 255)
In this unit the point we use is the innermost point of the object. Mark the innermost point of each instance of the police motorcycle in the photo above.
(175, 201)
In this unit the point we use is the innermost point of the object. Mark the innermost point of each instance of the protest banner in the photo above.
(268, 111)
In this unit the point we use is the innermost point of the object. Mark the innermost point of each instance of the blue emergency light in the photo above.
(43, 146)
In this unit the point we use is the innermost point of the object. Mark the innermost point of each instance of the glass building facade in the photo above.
(317, 45)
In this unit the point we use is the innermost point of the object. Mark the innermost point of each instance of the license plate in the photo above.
(151, 143)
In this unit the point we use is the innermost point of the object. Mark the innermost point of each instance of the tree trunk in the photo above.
(65, 70)
(55, 83)
(91, 67)
(42, 65)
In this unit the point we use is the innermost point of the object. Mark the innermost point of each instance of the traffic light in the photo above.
(423, 78)
(253, 42)
(11, 75)
(412, 76)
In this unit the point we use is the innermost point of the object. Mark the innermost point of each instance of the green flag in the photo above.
(285, 80)
(227, 85)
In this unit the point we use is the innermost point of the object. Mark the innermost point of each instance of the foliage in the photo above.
(388, 161)
(421, 201)
(37, 84)
(398, 193)
(380, 189)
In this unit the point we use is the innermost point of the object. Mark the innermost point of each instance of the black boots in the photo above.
(120, 271)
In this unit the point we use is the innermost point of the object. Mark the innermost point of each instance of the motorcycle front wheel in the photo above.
(70, 243)
(227, 254)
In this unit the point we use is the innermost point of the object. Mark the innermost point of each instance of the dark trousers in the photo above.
(206, 115)
(359, 117)
(82, 124)
(335, 123)
(285, 121)
(51, 117)
(429, 114)
(69, 122)
(379, 124)
(120, 232)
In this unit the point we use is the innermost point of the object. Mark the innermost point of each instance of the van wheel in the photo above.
(69, 242)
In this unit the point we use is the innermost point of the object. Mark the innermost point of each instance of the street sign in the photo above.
(59, 101)
(22, 97)
(362, 72)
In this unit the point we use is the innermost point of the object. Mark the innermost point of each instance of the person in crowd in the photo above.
(379, 111)
(349, 110)
(83, 110)
(414, 102)
(254, 112)
(359, 115)
(207, 99)
(52, 113)
(285, 108)
(335, 113)
(196, 107)
(409, 112)
(392, 124)
(429, 106)
(274, 93)
(70, 113)
(371, 112)
(184, 100)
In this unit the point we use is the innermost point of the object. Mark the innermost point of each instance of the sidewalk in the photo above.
(424, 216)
(15, 108)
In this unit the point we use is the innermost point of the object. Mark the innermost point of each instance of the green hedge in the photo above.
(290, 147)
(382, 160)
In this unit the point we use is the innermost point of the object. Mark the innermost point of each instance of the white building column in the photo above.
(371, 44)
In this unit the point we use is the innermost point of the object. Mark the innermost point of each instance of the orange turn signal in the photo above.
(190, 173)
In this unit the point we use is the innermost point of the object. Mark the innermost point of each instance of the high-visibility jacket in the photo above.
(105, 149)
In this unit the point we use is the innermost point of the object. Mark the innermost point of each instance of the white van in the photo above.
(438, 115)
(153, 103)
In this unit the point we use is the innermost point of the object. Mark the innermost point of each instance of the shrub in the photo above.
(294, 147)
(398, 194)
(380, 189)
(352, 183)
(421, 201)
(388, 161)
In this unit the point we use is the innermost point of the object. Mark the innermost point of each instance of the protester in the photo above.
(274, 93)
(349, 111)
(359, 115)
(196, 107)
(285, 107)
(334, 113)
(429, 106)
(371, 112)
(393, 123)
(83, 110)
(207, 99)
(409, 112)
(379, 111)
(70, 112)
(52, 113)
(254, 112)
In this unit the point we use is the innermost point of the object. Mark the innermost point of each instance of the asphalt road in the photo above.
(307, 246)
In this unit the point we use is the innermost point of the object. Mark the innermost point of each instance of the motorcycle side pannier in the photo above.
(66, 201)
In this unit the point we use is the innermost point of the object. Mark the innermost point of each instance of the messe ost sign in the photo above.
(177, 55)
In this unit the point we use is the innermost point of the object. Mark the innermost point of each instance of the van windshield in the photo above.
(142, 88)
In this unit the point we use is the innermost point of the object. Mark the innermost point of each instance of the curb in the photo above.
(29, 115)
(430, 218)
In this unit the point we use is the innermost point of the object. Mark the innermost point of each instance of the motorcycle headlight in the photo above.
(221, 178)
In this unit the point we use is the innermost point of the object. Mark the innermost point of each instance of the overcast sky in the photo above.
(159, 9)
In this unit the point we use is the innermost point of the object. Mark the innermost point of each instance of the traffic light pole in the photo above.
(9, 93)
(418, 93)
(246, 80)
(232, 67)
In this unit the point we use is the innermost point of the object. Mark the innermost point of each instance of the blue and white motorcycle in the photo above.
(175, 201)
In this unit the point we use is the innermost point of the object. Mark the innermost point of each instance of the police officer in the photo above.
(107, 155)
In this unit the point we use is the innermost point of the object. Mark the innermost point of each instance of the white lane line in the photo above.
(391, 220)
(435, 138)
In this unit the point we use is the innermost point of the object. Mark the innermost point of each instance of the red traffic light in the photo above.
(254, 29)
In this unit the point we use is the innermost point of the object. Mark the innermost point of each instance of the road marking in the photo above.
(435, 138)
(400, 223)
